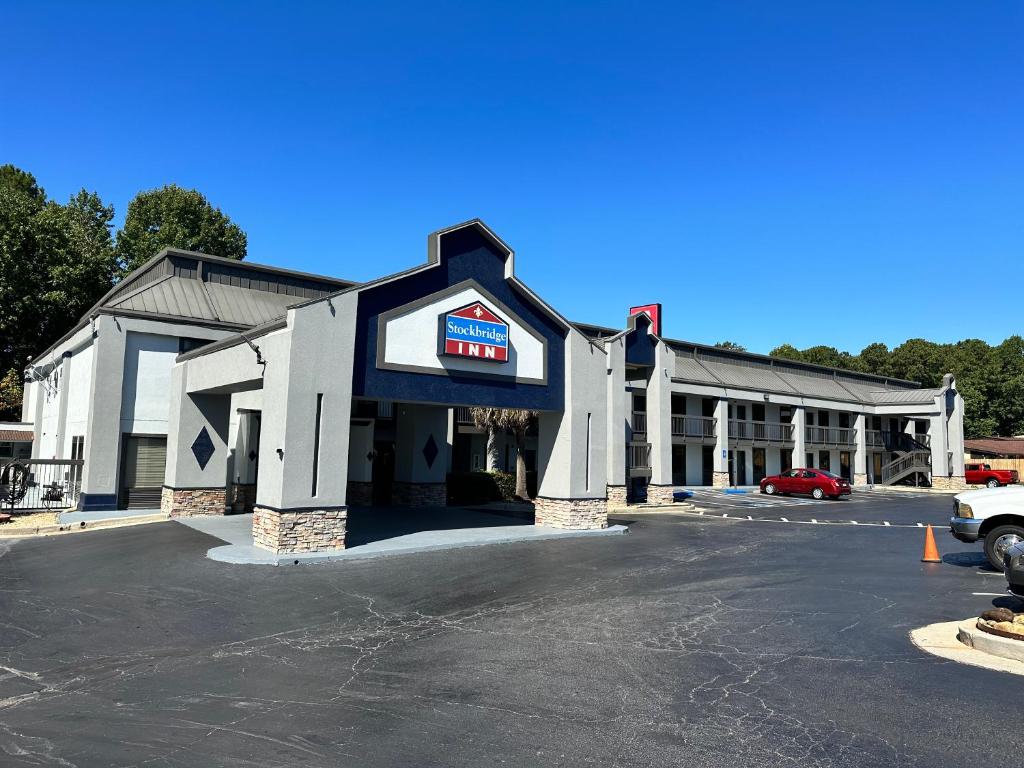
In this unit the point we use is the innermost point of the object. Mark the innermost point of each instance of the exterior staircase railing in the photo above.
(908, 463)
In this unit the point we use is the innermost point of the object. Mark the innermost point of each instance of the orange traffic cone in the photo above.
(931, 552)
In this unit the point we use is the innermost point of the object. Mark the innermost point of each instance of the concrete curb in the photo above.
(84, 525)
(236, 554)
(944, 640)
(679, 507)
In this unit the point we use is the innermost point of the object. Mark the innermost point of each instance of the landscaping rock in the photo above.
(998, 614)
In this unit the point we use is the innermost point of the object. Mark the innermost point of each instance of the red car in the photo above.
(814, 482)
(983, 474)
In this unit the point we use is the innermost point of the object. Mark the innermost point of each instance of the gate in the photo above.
(51, 484)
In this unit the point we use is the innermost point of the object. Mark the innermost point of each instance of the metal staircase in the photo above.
(913, 459)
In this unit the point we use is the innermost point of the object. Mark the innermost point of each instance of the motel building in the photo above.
(204, 386)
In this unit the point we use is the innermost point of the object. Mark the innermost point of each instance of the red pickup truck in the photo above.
(983, 474)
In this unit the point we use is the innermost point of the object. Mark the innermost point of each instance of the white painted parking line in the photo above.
(855, 522)
(989, 594)
(784, 520)
(885, 523)
(813, 520)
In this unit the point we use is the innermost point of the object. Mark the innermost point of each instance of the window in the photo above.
(810, 418)
(824, 460)
(844, 420)
(822, 418)
(741, 413)
(187, 345)
(6, 450)
(77, 453)
(757, 411)
(316, 440)
(810, 459)
(587, 478)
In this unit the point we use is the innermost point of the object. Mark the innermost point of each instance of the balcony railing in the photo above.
(831, 436)
(463, 415)
(639, 422)
(638, 455)
(694, 426)
(761, 431)
(896, 441)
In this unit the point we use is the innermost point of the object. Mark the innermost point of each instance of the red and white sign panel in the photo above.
(475, 331)
(653, 311)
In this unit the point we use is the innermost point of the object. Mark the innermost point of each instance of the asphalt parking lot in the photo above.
(888, 507)
(696, 641)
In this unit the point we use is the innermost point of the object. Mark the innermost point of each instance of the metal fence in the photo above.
(52, 484)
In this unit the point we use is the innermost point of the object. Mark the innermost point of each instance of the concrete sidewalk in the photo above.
(388, 534)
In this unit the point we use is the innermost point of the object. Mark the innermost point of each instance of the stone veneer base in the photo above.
(189, 502)
(576, 514)
(618, 496)
(955, 483)
(359, 493)
(719, 479)
(660, 494)
(419, 494)
(860, 479)
(305, 530)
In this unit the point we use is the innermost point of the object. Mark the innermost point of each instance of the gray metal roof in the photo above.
(198, 287)
(905, 396)
(691, 370)
(721, 368)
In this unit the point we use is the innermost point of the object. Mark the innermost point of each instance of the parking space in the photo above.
(862, 507)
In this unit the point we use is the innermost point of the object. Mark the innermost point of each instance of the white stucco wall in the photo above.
(148, 359)
(79, 381)
(49, 413)
(412, 341)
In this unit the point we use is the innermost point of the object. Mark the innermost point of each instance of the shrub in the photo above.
(480, 487)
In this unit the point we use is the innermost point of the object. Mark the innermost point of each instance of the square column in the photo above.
(103, 433)
(659, 425)
(799, 435)
(860, 456)
(421, 446)
(302, 487)
(618, 423)
(572, 463)
(720, 475)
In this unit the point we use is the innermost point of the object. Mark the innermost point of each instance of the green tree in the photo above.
(173, 217)
(874, 358)
(516, 421)
(830, 356)
(55, 262)
(788, 352)
(14, 178)
(730, 345)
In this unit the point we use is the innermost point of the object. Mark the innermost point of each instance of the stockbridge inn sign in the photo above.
(475, 331)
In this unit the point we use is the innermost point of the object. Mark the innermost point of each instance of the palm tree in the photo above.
(517, 421)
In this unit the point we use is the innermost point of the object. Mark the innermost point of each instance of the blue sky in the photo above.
(801, 172)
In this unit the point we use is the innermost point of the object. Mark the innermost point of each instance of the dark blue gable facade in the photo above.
(463, 253)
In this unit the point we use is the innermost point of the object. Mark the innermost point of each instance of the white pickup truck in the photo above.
(995, 515)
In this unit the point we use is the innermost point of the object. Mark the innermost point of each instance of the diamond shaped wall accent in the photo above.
(203, 448)
(430, 451)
